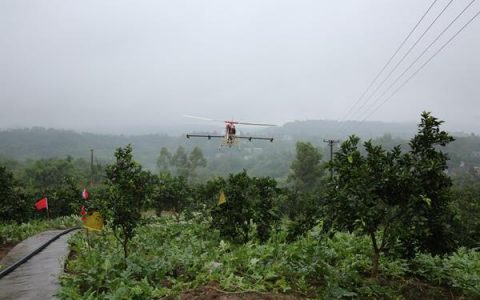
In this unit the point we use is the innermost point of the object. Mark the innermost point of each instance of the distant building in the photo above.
(476, 154)
(476, 170)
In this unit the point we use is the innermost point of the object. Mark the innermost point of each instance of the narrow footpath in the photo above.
(38, 277)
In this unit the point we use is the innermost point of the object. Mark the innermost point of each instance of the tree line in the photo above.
(259, 158)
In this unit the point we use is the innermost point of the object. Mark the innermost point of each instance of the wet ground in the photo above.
(38, 277)
(4, 249)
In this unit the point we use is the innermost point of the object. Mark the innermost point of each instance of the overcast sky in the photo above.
(138, 66)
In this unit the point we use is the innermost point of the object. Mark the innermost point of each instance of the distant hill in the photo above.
(35, 143)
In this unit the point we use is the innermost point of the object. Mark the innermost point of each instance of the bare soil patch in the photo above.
(4, 249)
(213, 291)
(415, 289)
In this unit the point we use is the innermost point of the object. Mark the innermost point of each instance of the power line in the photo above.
(405, 55)
(389, 61)
(423, 53)
(422, 66)
(409, 67)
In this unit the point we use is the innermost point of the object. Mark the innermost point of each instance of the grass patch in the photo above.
(13, 233)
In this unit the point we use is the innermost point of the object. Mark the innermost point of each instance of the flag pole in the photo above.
(91, 167)
(88, 238)
(46, 200)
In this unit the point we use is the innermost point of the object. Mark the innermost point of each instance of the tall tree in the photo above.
(180, 161)
(306, 174)
(129, 187)
(307, 169)
(164, 160)
(196, 160)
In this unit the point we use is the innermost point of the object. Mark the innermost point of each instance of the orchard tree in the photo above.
(466, 207)
(65, 199)
(170, 193)
(248, 199)
(265, 214)
(14, 207)
(389, 195)
(206, 194)
(49, 173)
(431, 224)
(369, 193)
(129, 188)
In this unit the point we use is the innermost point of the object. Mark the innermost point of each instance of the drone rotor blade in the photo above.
(201, 118)
(255, 124)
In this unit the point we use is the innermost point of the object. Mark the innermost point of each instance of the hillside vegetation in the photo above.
(377, 221)
(260, 158)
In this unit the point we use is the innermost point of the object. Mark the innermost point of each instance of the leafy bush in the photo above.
(466, 207)
(248, 200)
(65, 198)
(459, 270)
(170, 193)
(304, 213)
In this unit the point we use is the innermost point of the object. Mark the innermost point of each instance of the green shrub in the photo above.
(248, 200)
(170, 193)
(459, 270)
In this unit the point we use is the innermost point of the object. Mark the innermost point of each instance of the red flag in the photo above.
(83, 212)
(85, 194)
(41, 204)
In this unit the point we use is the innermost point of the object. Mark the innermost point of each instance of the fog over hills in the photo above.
(37, 142)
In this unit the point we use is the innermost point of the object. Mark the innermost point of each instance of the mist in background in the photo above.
(138, 66)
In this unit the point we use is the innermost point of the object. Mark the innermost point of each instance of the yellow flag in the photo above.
(93, 221)
(350, 159)
(221, 198)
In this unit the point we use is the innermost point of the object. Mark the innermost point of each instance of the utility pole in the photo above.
(91, 166)
(331, 143)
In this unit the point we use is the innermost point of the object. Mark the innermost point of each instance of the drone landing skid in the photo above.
(250, 138)
(205, 135)
(229, 141)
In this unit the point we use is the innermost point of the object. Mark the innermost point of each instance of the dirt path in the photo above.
(213, 291)
(38, 277)
(4, 249)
